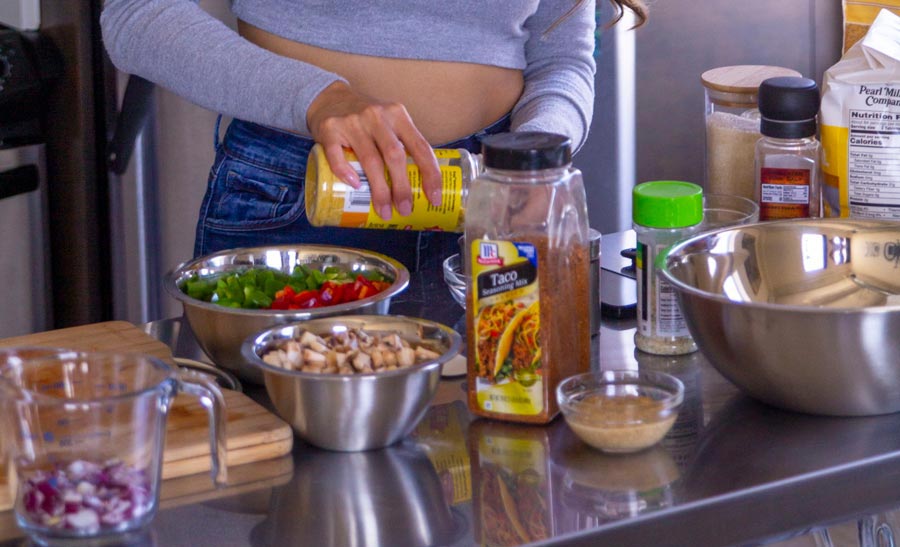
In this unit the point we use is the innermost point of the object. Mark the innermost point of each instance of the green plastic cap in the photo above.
(667, 204)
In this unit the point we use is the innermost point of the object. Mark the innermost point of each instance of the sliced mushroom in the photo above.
(365, 339)
(315, 358)
(425, 354)
(406, 357)
(275, 358)
(361, 361)
(313, 342)
(349, 351)
(393, 341)
(377, 358)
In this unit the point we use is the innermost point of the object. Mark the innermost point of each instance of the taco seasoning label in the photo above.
(507, 351)
(530, 327)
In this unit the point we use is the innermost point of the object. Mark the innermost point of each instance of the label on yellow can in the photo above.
(506, 338)
(331, 202)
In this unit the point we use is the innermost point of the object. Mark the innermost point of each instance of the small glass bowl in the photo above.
(455, 279)
(620, 411)
(721, 210)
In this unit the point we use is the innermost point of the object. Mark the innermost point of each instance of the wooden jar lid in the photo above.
(742, 78)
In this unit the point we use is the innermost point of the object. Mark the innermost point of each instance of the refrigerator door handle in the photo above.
(19, 180)
(130, 121)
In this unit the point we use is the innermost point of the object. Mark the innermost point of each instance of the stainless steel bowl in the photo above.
(801, 314)
(359, 411)
(221, 330)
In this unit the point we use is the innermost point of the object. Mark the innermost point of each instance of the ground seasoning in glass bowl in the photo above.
(528, 269)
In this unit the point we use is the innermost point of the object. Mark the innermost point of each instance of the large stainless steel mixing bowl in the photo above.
(801, 314)
(350, 412)
(221, 331)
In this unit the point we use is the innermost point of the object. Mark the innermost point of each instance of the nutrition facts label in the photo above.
(874, 164)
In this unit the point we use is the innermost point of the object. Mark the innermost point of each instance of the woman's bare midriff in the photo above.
(447, 100)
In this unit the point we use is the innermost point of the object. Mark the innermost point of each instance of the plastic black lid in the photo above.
(526, 151)
(788, 106)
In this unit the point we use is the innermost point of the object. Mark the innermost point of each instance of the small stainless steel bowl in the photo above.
(801, 314)
(221, 330)
(354, 411)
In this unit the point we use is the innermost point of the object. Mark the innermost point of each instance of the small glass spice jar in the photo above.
(732, 125)
(664, 212)
(788, 156)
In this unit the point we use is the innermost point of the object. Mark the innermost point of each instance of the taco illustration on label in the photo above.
(491, 325)
(519, 352)
(508, 346)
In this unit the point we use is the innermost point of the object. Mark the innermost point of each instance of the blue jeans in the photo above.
(255, 197)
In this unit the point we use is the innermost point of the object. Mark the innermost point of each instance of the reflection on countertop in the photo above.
(459, 480)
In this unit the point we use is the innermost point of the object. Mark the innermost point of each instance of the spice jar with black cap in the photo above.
(528, 271)
(788, 156)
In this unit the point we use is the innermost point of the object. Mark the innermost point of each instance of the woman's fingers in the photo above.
(381, 135)
(393, 154)
(423, 156)
(370, 159)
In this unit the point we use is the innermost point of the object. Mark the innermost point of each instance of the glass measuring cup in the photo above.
(86, 433)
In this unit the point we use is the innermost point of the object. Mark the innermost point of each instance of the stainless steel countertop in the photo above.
(732, 471)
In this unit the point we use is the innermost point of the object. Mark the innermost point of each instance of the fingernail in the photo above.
(385, 212)
(351, 178)
(435, 197)
(404, 207)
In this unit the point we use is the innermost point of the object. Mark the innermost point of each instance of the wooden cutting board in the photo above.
(253, 433)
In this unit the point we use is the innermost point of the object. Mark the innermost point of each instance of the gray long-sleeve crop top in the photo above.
(177, 45)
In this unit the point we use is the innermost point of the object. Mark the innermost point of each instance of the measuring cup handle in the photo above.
(205, 389)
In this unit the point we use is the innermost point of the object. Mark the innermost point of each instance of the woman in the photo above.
(385, 78)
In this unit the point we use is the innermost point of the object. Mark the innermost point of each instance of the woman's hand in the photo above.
(381, 134)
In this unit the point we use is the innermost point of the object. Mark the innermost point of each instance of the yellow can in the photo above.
(332, 202)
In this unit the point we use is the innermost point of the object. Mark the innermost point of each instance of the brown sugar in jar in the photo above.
(528, 266)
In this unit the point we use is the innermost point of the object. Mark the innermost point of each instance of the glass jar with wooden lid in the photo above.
(732, 125)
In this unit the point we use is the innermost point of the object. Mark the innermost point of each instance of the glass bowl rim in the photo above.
(673, 387)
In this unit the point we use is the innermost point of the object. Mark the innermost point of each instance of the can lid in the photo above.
(788, 107)
(667, 204)
(526, 151)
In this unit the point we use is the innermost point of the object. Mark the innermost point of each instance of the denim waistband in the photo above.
(282, 151)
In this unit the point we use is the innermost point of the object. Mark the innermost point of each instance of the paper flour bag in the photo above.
(859, 15)
(860, 126)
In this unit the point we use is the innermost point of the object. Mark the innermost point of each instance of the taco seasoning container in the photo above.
(788, 167)
(331, 202)
(528, 265)
(664, 212)
(732, 125)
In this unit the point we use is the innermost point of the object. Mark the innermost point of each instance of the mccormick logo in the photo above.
(489, 254)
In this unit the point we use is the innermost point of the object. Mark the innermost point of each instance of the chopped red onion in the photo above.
(86, 497)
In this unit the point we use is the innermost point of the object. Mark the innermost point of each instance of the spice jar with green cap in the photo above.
(664, 212)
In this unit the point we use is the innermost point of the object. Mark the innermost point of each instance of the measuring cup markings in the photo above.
(74, 440)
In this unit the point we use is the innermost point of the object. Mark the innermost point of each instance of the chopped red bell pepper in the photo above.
(329, 294)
